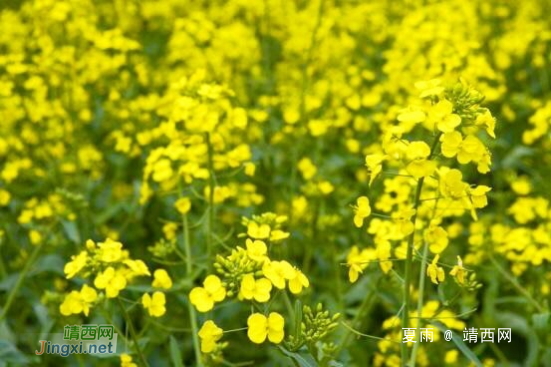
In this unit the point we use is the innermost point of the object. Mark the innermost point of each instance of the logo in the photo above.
(81, 339)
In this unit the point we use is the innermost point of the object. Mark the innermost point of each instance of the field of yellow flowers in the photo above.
(276, 182)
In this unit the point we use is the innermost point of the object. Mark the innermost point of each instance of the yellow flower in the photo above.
(522, 186)
(110, 280)
(402, 218)
(291, 115)
(4, 197)
(467, 150)
(256, 231)
(429, 88)
(259, 290)
(411, 115)
(326, 187)
(110, 251)
(261, 327)
(161, 279)
(441, 114)
(383, 252)
(126, 361)
(169, 230)
(298, 282)
(357, 261)
(278, 235)
(487, 121)
(435, 272)
(478, 198)
(256, 250)
(76, 264)
(136, 267)
(155, 305)
(452, 185)
(203, 298)
(250, 169)
(307, 168)
(437, 239)
(419, 166)
(277, 272)
(458, 271)
(209, 333)
(162, 170)
(361, 211)
(239, 118)
(77, 302)
(374, 163)
(183, 205)
(451, 357)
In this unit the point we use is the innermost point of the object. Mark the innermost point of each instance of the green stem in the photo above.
(3, 272)
(189, 273)
(105, 314)
(19, 283)
(516, 284)
(187, 246)
(194, 333)
(407, 277)
(290, 308)
(409, 255)
(422, 278)
(133, 334)
(362, 311)
(210, 220)
(352, 330)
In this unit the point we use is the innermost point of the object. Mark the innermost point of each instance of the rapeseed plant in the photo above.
(253, 156)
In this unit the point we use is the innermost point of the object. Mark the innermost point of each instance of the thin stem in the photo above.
(422, 278)
(107, 316)
(516, 284)
(367, 335)
(446, 317)
(289, 306)
(364, 308)
(133, 334)
(210, 221)
(171, 329)
(420, 301)
(234, 330)
(407, 276)
(19, 283)
(384, 216)
(187, 246)
(189, 274)
(409, 256)
(3, 272)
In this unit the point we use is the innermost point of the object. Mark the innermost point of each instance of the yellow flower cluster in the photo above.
(265, 227)
(453, 116)
(198, 139)
(250, 275)
(423, 189)
(112, 270)
(166, 124)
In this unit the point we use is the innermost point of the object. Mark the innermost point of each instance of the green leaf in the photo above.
(541, 322)
(175, 353)
(71, 231)
(298, 317)
(519, 325)
(49, 263)
(10, 354)
(300, 360)
(515, 156)
(467, 352)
